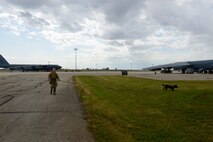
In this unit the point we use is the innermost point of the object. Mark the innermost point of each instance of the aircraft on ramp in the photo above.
(27, 67)
(204, 66)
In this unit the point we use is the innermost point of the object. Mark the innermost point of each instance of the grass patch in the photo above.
(135, 109)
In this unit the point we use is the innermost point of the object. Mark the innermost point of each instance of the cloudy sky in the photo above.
(107, 33)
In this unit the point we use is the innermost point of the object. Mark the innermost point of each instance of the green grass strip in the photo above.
(121, 108)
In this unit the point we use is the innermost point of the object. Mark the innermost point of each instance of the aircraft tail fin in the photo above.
(3, 61)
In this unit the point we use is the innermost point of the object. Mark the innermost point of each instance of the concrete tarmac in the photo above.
(28, 113)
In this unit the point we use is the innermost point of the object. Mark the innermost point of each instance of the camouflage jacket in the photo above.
(53, 77)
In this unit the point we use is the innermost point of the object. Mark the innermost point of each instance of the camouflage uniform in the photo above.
(53, 77)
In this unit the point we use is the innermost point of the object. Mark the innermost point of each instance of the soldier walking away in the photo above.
(53, 78)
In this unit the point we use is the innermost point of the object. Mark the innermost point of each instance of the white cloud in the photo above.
(113, 33)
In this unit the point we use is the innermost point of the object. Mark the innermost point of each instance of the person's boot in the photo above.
(54, 90)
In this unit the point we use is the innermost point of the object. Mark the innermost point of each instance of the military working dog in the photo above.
(172, 87)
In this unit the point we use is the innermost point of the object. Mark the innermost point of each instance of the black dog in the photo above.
(172, 87)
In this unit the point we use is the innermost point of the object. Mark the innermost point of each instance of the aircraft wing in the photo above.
(22, 67)
(34, 67)
(176, 66)
(27, 67)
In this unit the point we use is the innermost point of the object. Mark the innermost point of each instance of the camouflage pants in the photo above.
(53, 85)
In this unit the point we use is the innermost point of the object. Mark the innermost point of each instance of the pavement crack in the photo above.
(10, 97)
(41, 83)
(7, 88)
(26, 112)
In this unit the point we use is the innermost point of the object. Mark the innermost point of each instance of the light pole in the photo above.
(75, 58)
